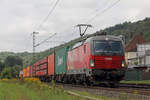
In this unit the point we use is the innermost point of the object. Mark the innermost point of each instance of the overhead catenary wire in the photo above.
(50, 12)
(98, 14)
(103, 11)
(74, 26)
(56, 41)
(45, 40)
(45, 19)
(97, 9)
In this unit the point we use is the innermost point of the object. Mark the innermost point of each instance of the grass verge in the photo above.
(32, 89)
(137, 82)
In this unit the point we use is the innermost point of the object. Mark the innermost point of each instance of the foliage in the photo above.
(10, 72)
(31, 89)
(1, 66)
(129, 29)
(10, 67)
(6, 73)
(136, 63)
(13, 60)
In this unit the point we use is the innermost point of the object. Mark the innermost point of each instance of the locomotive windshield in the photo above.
(108, 47)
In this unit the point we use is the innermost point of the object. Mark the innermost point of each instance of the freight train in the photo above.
(93, 59)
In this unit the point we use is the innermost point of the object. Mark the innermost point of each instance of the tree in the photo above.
(12, 61)
(1, 66)
(6, 73)
(11, 67)
(10, 72)
(15, 71)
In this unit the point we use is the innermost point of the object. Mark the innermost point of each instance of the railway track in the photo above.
(142, 86)
(137, 92)
(123, 89)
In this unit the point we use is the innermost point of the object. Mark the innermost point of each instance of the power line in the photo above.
(50, 12)
(106, 9)
(97, 8)
(57, 41)
(40, 25)
(109, 7)
(46, 18)
(45, 40)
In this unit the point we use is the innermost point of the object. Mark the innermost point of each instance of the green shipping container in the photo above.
(61, 60)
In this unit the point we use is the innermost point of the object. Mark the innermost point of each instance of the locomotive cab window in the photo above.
(105, 46)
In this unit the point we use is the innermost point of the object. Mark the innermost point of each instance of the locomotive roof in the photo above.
(103, 37)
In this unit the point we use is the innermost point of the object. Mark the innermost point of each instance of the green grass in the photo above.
(16, 90)
(137, 82)
(33, 89)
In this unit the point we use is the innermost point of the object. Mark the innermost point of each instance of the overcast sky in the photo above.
(19, 18)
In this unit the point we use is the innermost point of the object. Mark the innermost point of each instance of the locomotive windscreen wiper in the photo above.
(107, 49)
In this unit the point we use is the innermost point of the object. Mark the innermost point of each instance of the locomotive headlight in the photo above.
(92, 63)
(123, 64)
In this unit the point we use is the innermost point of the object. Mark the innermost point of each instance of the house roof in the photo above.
(131, 45)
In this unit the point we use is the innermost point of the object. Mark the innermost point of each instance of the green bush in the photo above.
(10, 72)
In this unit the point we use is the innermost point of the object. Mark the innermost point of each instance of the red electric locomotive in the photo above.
(87, 60)
(96, 59)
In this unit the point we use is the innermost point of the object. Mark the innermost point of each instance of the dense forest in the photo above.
(11, 63)
(25, 56)
(127, 29)
(10, 67)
